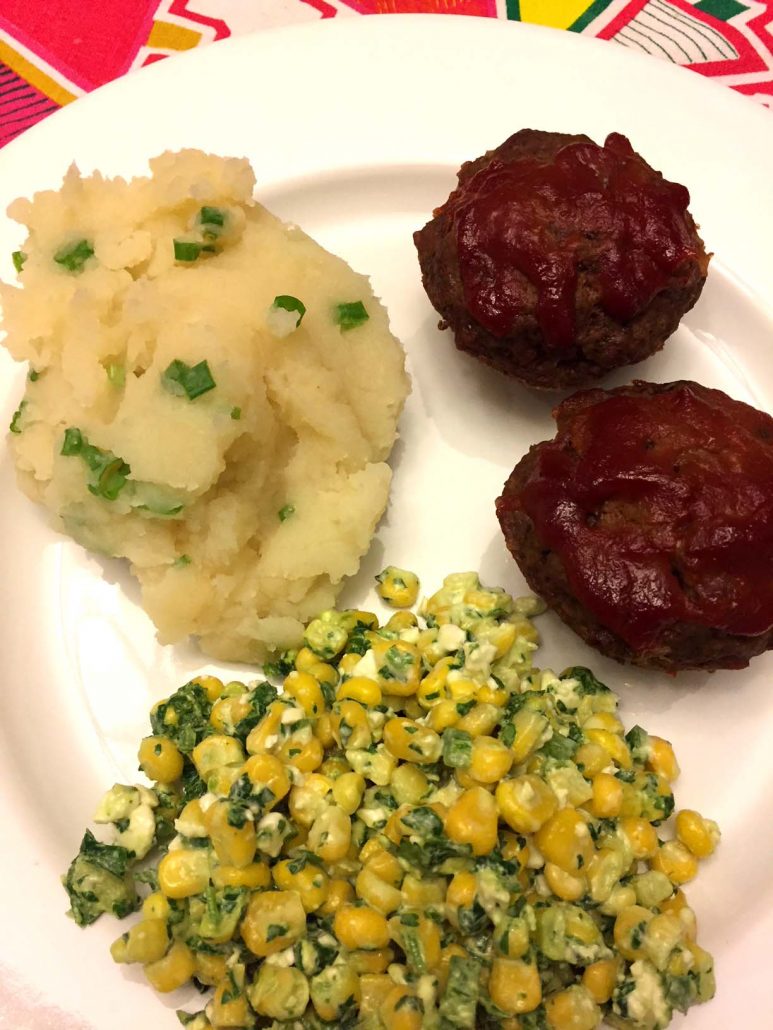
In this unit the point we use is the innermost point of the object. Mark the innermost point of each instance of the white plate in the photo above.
(355, 129)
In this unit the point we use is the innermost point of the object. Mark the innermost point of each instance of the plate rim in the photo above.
(317, 28)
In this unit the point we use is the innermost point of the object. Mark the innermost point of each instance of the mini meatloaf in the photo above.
(555, 260)
(647, 524)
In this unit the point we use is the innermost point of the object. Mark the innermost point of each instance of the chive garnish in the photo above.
(181, 378)
(109, 472)
(285, 512)
(186, 250)
(14, 427)
(74, 256)
(18, 257)
(288, 303)
(349, 316)
(212, 216)
(111, 480)
(116, 373)
(73, 442)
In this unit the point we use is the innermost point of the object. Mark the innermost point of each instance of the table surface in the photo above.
(46, 62)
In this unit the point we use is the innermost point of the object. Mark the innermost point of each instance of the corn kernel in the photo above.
(700, 835)
(400, 621)
(473, 820)
(565, 840)
(212, 686)
(434, 686)
(480, 720)
(572, 1009)
(227, 713)
(210, 969)
(304, 757)
(361, 928)
(599, 979)
(443, 715)
(397, 587)
(490, 761)
(330, 834)
(629, 930)
(398, 1010)
(676, 861)
(514, 986)
(411, 742)
(160, 759)
(371, 962)
(305, 659)
(563, 884)
(378, 893)
(273, 921)
(232, 1012)
(592, 758)
(340, 893)
(607, 796)
(409, 784)
(173, 970)
(526, 803)
(351, 726)
(155, 906)
(304, 688)
(614, 745)
(216, 751)
(641, 835)
(360, 688)
(183, 873)
(531, 730)
(310, 882)
(234, 845)
(279, 993)
(462, 890)
(661, 759)
(256, 876)
(348, 790)
(146, 941)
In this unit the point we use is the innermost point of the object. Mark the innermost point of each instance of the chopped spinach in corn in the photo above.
(422, 830)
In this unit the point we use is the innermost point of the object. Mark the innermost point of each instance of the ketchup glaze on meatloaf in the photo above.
(647, 522)
(554, 249)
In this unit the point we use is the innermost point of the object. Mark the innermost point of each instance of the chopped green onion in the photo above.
(116, 373)
(33, 375)
(285, 512)
(182, 561)
(18, 257)
(73, 442)
(14, 426)
(111, 480)
(186, 250)
(110, 472)
(349, 316)
(236, 414)
(74, 256)
(173, 510)
(180, 378)
(289, 303)
(212, 216)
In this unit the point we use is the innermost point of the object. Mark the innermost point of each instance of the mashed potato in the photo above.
(178, 415)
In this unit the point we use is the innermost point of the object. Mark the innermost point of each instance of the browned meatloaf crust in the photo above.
(601, 343)
(716, 579)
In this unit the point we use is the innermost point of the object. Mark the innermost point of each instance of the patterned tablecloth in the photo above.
(52, 53)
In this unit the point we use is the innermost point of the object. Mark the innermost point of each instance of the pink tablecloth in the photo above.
(50, 54)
